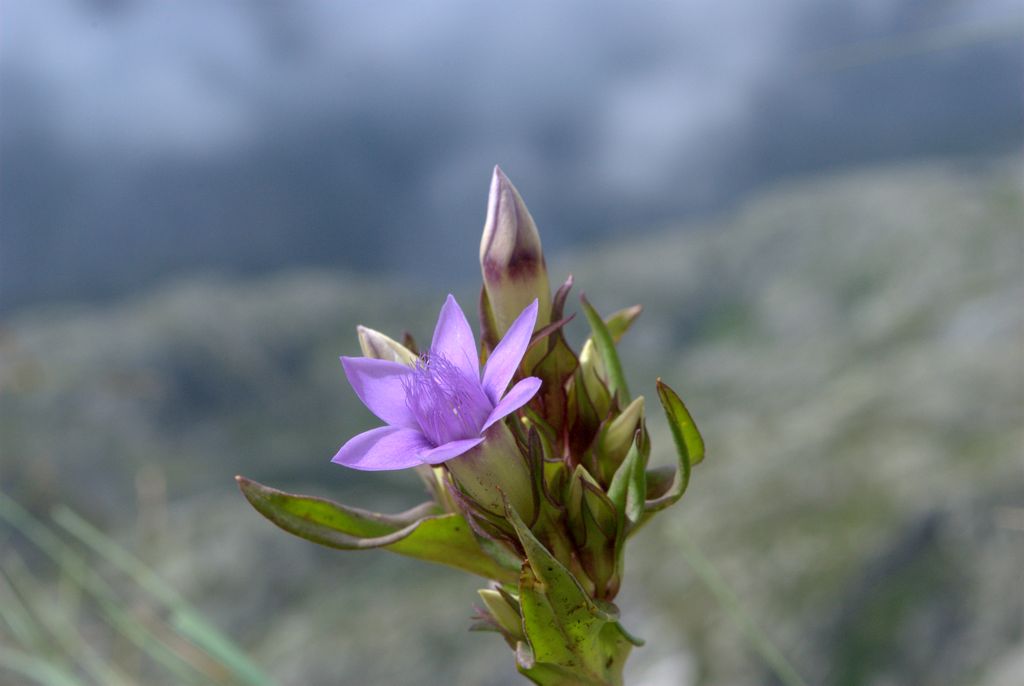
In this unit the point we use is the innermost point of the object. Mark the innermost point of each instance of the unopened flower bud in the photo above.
(594, 377)
(503, 612)
(593, 525)
(380, 347)
(511, 258)
(617, 436)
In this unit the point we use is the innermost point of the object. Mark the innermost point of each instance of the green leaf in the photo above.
(543, 674)
(605, 344)
(562, 622)
(548, 410)
(583, 415)
(689, 446)
(488, 327)
(618, 323)
(422, 532)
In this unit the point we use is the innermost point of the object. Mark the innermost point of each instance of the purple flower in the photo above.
(440, 407)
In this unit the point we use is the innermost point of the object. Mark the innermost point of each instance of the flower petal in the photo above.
(380, 384)
(387, 447)
(516, 398)
(454, 339)
(450, 450)
(502, 364)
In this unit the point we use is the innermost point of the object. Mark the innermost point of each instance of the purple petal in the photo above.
(386, 447)
(380, 384)
(516, 398)
(450, 450)
(454, 339)
(503, 362)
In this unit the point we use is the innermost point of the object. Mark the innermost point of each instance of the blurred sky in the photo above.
(141, 139)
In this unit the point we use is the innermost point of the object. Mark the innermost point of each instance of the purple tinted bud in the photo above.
(511, 258)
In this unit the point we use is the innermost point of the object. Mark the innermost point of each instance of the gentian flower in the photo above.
(441, 406)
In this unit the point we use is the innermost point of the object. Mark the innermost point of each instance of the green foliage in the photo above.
(54, 634)
(565, 627)
(605, 344)
(689, 447)
(424, 532)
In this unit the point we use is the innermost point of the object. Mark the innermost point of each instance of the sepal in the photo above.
(689, 447)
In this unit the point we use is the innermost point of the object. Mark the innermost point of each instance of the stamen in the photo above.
(447, 405)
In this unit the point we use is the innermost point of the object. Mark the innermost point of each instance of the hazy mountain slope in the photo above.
(852, 348)
(855, 358)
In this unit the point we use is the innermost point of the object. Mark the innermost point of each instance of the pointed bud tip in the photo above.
(511, 256)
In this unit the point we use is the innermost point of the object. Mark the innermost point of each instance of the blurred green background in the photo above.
(820, 206)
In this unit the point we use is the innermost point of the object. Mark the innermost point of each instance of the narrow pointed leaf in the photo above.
(584, 418)
(488, 327)
(689, 446)
(554, 369)
(618, 323)
(422, 532)
(605, 345)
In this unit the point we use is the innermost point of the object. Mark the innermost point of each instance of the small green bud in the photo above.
(511, 258)
(593, 525)
(595, 379)
(617, 436)
(503, 612)
(380, 347)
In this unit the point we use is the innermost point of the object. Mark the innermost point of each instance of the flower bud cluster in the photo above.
(537, 485)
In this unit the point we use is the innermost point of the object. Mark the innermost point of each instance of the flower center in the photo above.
(447, 404)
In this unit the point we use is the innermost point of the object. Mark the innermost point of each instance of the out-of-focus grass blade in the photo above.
(36, 669)
(81, 573)
(185, 619)
(16, 615)
(730, 603)
(48, 613)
